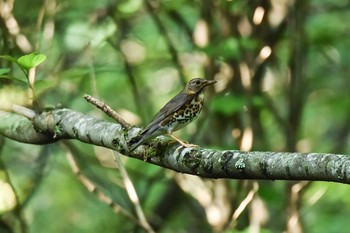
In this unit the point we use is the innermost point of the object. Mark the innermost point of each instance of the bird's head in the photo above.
(196, 85)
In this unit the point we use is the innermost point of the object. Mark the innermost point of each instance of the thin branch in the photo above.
(29, 113)
(91, 187)
(130, 189)
(247, 200)
(169, 43)
(297, 87)
(181, 22)
(131, 77)
(294, 220)
(106, 109)
(39, 23)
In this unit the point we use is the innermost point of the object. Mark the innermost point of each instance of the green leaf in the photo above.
(4, 71)
(41, 86)
(31, 60)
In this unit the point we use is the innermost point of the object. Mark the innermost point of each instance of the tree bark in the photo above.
(58, 124)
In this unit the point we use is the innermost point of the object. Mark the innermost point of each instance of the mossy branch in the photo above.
(57, 124)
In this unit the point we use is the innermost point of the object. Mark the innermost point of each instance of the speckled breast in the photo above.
(184, 115)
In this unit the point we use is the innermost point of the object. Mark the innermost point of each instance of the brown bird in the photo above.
(176, 114)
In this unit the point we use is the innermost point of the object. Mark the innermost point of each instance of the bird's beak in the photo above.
(210, 82)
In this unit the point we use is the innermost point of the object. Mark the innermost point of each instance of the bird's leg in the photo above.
(184, 144)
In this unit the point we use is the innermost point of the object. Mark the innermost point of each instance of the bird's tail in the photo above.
(144, 136)
(135, 142)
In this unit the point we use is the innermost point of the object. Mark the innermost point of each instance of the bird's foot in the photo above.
(188, 145)
(182, 143)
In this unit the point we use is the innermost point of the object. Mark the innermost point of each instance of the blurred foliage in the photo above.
(283, 85)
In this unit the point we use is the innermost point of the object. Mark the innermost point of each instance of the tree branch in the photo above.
(59, 124)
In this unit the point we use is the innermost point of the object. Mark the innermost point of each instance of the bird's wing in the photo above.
(173, 105)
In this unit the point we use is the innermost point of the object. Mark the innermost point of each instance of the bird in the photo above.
(176, 114)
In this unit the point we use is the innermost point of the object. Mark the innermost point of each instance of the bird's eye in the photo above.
(198, 82)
